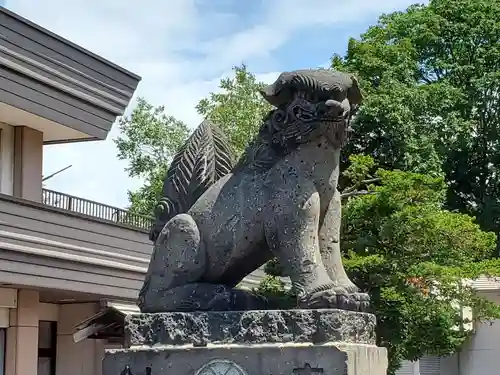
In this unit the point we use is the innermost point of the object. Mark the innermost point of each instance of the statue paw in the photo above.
(336, 298)
(354, 302)
(349, 286)
(324, 298)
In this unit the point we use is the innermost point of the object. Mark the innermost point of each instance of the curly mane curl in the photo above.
(261, 154)
(277, 138)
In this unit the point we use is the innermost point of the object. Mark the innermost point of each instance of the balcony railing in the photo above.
(95, 209)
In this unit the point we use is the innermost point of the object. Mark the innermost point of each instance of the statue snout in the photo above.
(334, 108)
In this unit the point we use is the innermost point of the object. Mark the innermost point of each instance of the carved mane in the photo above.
(261, 154)
(276, 137)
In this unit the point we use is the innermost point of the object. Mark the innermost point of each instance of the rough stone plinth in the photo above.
(302, 342)
(250, 327)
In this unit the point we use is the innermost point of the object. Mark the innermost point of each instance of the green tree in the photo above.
(238, 108)
(148, 141)
(413, 257)
(431, 75)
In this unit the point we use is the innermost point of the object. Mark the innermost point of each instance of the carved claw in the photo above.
(321, 299)
(337, 298)
(354, 302)
(364, 302)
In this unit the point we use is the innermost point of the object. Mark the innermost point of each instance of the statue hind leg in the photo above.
(174, 278)
(178, 259)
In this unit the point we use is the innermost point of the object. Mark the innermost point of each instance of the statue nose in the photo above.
(334, 107)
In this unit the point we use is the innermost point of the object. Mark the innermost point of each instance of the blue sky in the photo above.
(181, 49)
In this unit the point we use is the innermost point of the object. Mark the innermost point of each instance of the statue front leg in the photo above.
(329, 245)
(291, 229)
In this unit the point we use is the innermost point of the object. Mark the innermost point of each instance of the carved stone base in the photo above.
(274, 359)
(329, 342)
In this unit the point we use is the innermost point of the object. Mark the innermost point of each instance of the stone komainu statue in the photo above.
(218, 221)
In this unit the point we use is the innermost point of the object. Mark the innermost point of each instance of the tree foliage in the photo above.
(238, 109)
(431, 76)
(412, 256)
(149, 139)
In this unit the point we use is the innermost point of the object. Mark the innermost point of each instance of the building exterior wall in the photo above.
(21, 162)
(52, 248)
(480, 356)
(48, 247)
(20, 315)
(28, 163)
(53, 91)
(450, 365)
(51, 78)
(21, 357)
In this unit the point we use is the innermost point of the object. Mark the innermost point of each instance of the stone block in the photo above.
(258, 359)
(262, 342)
(250, 327)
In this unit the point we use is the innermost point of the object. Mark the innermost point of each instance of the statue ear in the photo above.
(354, 92)
(268, 93)
(277, 95)
(280, 92)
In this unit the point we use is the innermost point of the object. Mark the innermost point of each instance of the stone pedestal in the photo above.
(329, 342)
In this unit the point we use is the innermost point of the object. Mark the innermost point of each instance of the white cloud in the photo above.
(155, 39)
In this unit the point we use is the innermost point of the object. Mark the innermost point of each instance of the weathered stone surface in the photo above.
(250, 327)
(203, 297)
(268, 205)
(274, 359)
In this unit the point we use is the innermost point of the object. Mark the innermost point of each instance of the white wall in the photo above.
(450, 365)
(429, 366)
(481, 355)
(72, 359)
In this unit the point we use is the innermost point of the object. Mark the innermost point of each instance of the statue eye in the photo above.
(310, 96)
(323, 96)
